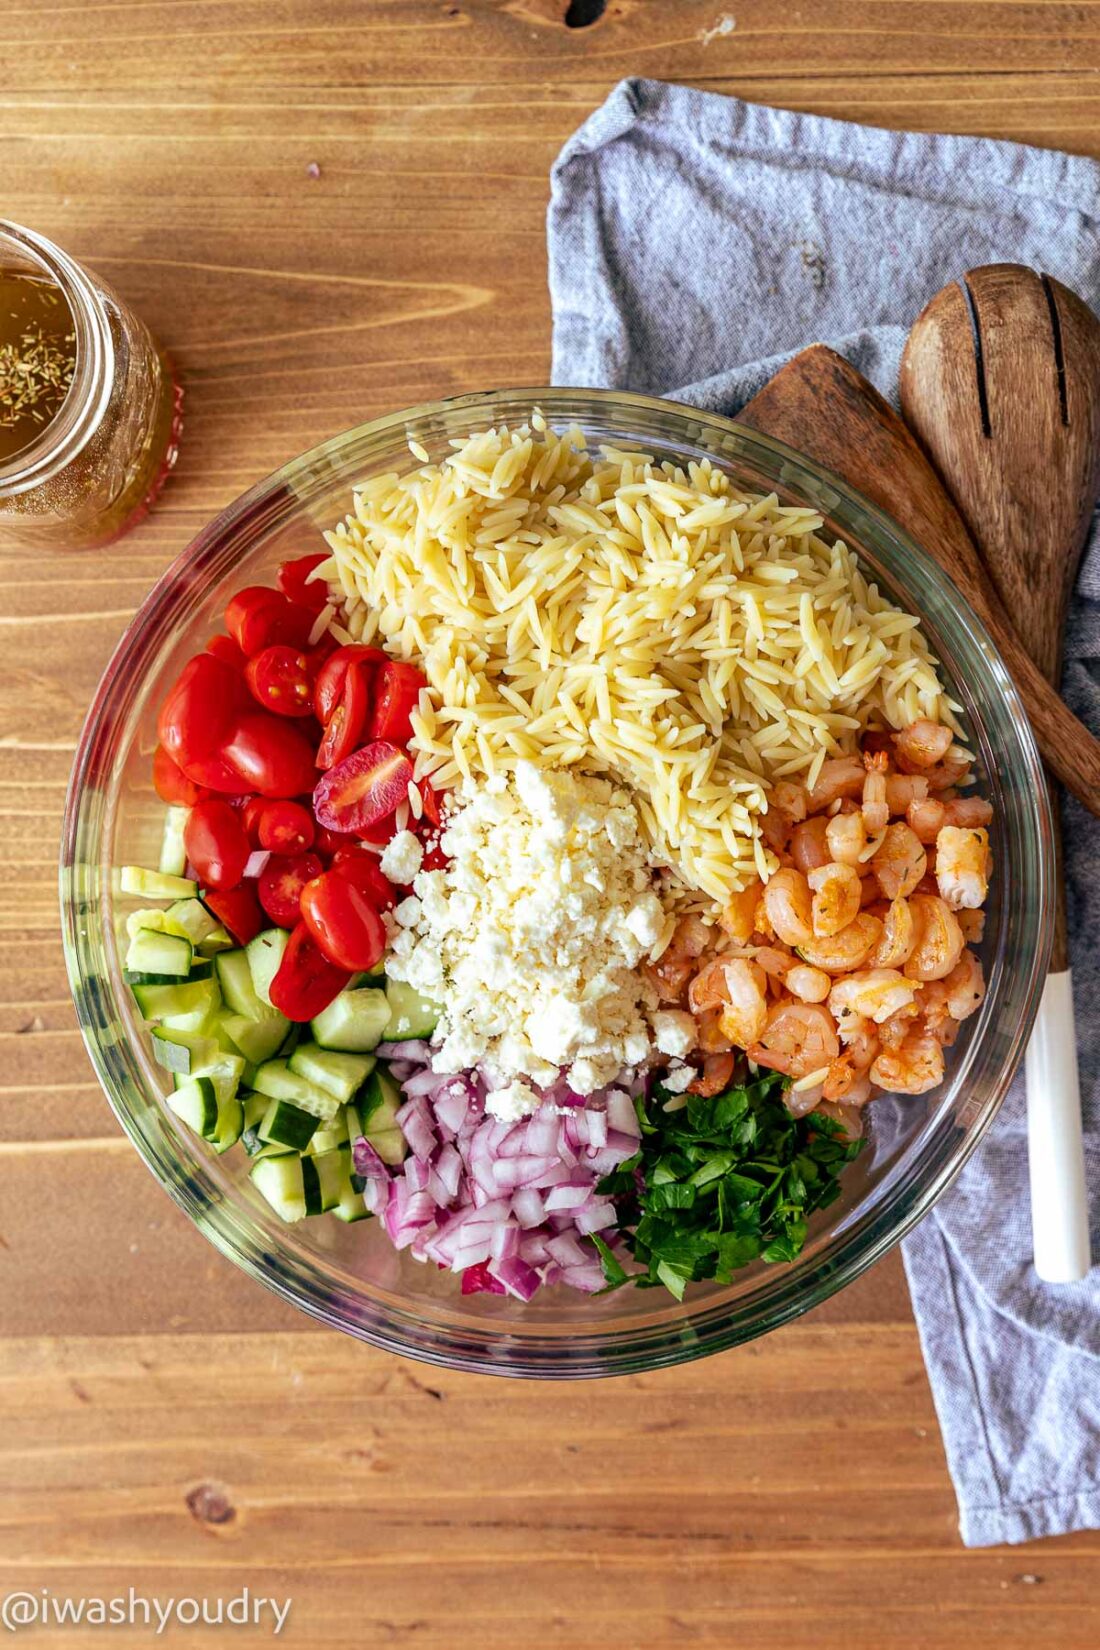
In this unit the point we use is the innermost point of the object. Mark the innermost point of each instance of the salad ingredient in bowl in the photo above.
(557, 868)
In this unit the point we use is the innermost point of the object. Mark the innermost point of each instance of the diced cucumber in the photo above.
(196, 1104)
(255, 1106)
(166, 955)
(224, 1071)
(157, 919)
(182, 1052)
(279, 1180)
(411, 1015)
(155, 884)
(191, 1000)
(265, 953)
(285, 1124)
(173, 854)
(230, 1125)
(190, 917)
(330, 1135)
(374, 1114)
(220, 940)
(258, 1040)
(235, 976)
(291, 1040)
(351, 1206)
(330, 1175)
(275, 1079)
(336, 1074)
(354, 1021)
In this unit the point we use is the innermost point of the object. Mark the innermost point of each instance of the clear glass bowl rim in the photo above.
(689, 1334)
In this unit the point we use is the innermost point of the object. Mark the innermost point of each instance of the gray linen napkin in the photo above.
(695, 243)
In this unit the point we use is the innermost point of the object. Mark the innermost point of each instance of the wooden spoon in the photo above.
(822, 406)
(1000, 379)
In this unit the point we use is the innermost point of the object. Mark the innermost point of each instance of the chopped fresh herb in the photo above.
(721, 1182)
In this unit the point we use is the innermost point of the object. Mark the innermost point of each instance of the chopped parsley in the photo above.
(719, 1183)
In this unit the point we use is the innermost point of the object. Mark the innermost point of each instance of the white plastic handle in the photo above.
(1059, 1203)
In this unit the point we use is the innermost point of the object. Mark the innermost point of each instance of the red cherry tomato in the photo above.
(215, 774)
(326, 842)
(396, 692)
(343, 922)
(258, 617)
(381, 832)
(270, 754)
(286, 828)
(250, 818)
(216, 843)
(434, 859)
(363, 788)
(306, 982)
(294, 582)
(344, 729)
(172, 784)
(238, 909)
(330, 678)
(279, 679)
(362, 869)
(199, 709)
(432, 814)
(281, 882)
(226, 649)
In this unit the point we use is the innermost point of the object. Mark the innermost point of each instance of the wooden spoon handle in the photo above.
(822, 406)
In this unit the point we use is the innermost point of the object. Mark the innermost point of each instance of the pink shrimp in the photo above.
(808, 847)
(926, 819)
(903, 790)
(737, 915)
(900, 861)
(875, 808)
(846, 838)
(799, 1038)
(913, 1068)
(921, 745)
(788, 905)
(842, 952)
(715, 1075)
(839, 776)
(967, 811)
(899, 936)
(836, 891)
(939, 942)
(672, 970)
(962, 866)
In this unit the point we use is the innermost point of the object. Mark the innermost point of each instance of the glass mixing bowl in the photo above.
(350, 1277)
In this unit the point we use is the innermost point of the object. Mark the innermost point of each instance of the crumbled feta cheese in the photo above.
(673, 1031)
(517, 1099)
(532, 937)
(677, 1078)
(401, 858)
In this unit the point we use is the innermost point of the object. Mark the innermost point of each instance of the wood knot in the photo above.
(581, 14)
(210, 1504)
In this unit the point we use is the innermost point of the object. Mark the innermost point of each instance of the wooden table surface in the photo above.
(164, 1423)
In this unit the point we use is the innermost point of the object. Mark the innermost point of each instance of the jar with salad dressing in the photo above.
(90, 412)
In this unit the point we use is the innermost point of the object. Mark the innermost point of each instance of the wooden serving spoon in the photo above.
(1000, 379)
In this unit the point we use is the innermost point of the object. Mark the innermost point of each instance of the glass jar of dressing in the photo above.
(90, 412)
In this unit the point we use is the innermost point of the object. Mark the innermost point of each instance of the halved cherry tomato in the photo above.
(216, 843)
(199, 709)
(250, 817)
(434, 859)
(326, 842)
(330, 678)
(345, 726)
(343, 922)
(363, 788)
(270, 753)
(294, 582)
(279, 679)
(362, 869)
(286, 828)
(281, 882)
(381, 832)
(306, 982)
(215, 774)
(396, 692)
(258, 617)
(172, 784)
(238, 909)
(226, 649)
(431, 802)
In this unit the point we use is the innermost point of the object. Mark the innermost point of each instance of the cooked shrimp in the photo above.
(962, 867)
(900, 862)
(808, 846)
(800, 1102)
(899, 935)
(791, 799)
(774, 960)
(709, 1034)
(715, 1075)
(903, 789)
(799, 1038)
(842, 1081)
(709, 989)
(914, 1068)
(926, 819)
(939, 939)
(842, 952)
(743, 1018)
(839, 776)
(736, 919)
(872, 994)
(893, 1032)
(921, 745)
(874, 807)
(836, 891)
(846, 837)
(788, 905)
(965, 987)
(672, 970)
(967, 811)
(776, 828)
(948, 773)
(972, 924)
(809, 985)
